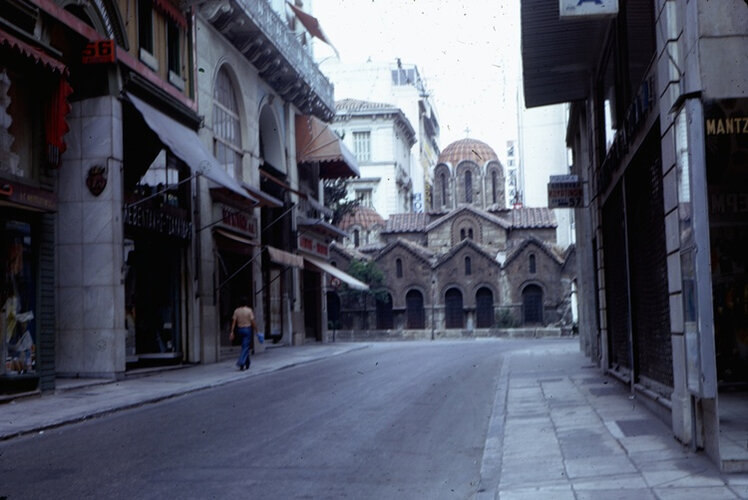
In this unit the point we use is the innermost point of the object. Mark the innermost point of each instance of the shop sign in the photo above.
(313, 246)
(726, 147)
(726, 128)
(159, 221)
(633, 123)
(102, 51)
(565, 191)
(587, 8)
(235, 220)
(28, 196)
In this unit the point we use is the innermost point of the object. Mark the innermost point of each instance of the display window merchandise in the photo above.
(17, 298)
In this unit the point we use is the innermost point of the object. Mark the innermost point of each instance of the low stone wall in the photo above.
(391, 335)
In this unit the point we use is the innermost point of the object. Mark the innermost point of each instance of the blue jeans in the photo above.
(246, 335)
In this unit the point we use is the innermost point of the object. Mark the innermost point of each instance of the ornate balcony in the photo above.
(259, 33)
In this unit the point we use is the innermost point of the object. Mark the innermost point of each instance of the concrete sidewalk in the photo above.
(75, 400)
(571, 433)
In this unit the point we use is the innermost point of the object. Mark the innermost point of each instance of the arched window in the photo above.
(493, 187)
(415, 317)
(385, 320)
(468, 266)
(532, 263)
(399, 268)
(484, 308)
(462, 234)
(226, 126)
(532, 305)
(470, 233)
(454, 314)
(443, 179)
(468, 187)
(356, 238)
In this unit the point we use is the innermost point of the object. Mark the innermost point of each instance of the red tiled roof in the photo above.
(531, 218)
(364, 217)
(467, 149)
(406, 223)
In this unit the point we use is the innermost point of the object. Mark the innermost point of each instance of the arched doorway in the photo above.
(454, 313)
(384, 314)
(414, 310)
(532, 305)
(484, 308)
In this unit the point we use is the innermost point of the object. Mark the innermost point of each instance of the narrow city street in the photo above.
(395, 420)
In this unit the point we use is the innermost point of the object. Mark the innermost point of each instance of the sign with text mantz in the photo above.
(587, 8)
(565, 191)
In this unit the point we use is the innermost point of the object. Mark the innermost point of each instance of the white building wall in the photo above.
(389, 149)
(372, 81)
(542, 153)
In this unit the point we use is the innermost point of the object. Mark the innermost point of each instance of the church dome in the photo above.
(467, 149)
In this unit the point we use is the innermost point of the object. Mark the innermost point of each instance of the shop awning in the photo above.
(557, 54)
(38, 55)
(284, 258)
(321, 227)
(316, 142)
(319, 207)
(337, 273)
(265, 200)
(185, 143)
(234, 237)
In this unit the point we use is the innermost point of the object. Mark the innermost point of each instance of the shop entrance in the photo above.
(235, 277)
(157, 235)
(153, 292)
(312, 305)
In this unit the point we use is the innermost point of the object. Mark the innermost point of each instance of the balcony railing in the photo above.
(257, 31)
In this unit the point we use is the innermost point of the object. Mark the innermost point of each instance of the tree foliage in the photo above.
(368, 272)
(335, 192)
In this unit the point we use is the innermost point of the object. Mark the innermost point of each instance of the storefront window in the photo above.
(157, 230)
(17, 298)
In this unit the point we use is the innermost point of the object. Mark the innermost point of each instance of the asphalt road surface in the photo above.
(393, 420)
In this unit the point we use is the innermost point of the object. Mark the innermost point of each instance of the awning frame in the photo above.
(284, 258)
(337, 273)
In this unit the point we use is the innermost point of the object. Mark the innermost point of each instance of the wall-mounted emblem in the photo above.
(96, 179)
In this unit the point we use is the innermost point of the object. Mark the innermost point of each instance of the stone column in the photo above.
(91, 302)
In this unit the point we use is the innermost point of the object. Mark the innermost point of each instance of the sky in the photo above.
(468, 53)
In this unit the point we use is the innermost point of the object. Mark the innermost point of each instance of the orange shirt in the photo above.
(244, 316)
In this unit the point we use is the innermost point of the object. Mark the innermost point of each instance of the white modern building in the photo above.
(402, 86)
(381, 138)
(541, 152)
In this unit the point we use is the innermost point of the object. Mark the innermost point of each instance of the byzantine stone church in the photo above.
(469, 266)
